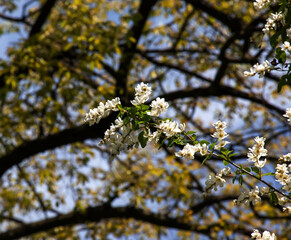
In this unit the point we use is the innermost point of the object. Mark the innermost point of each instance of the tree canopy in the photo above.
(59, 182)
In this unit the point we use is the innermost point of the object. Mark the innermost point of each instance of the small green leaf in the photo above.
(171, 141)
(269, 174)
(225, 151)
(273, 198)
(204, 141)
(247, 169)
(212, 145)
(222, 156)
(190, 132)
(225, 163)
(233, 154)
(256, 170)
(205, 159)
(240, 179)
(142, 140)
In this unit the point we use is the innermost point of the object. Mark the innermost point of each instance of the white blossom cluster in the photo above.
(220, 134)
(169, 128)
(288, 115)
(283, 177)
(260, 4)
(215, 181)
(102, 111)
(271, 21)
(142, 93)
(189, 151)
(266, 235)
(158, 106)
(258, 151)
(246, 197)
(258, 68)
(286, 158)
(287, 209)
(118, 142)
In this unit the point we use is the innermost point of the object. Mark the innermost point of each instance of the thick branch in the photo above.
(219, 92)
(61, 138)
(99, 213)
(129, 50)
(42, 17)
(235, 24)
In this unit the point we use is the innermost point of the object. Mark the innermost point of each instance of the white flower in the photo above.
(286, 158)
(188, 151)
(259, 4)
(286, 46)
(102, 111)
(259, 68)
(271, 21)
(142, 93)
(155, 137)
(220, 134)
(203, 149)
(112, 104)
(283, 177)
(182, 127)
(264, 190)
(287, 209)
(169, 128)
(258, 151)
(214, 181)
(266, 235)
(246, 197)
(288, 115)
(158, 106)
(256, 234)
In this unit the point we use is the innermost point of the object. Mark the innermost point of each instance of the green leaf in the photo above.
(234, 178)
(256, 170)
(212, 145)
(142, 140)
(171, 141)
(247, 169)
(204, 141)
(233, 154)
(240, 179)
(190, 132)
(225, 151)
(225, 163)
(273, 198)
(222, 156)
(205, 159)
(269, 174)
(144, 107)
(274, 38)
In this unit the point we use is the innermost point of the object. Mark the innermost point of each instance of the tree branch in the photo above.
(235, 24)
(61, 138)
(99, 213)
(129, 50)
(42, 17)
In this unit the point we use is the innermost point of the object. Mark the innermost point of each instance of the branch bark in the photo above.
(99, 213)
(42, 17)
(129, 50)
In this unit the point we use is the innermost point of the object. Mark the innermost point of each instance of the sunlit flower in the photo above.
(288, 115)
(158, 106)
(258, 151)
(142, 93)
